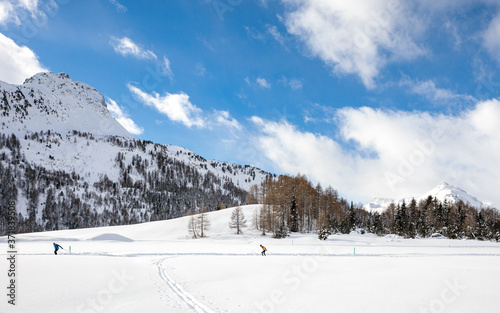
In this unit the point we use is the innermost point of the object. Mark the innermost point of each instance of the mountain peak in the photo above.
(443, 192)
(50, 101)
(47, 76)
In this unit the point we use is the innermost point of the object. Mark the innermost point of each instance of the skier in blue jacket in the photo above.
(56, 247)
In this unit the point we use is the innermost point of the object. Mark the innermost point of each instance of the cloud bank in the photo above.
(381, 153)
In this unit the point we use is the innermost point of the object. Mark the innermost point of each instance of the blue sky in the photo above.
(376, 98)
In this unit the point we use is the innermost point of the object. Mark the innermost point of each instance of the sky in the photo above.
(378, 98)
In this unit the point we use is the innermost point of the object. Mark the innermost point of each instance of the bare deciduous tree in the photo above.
(238, 220)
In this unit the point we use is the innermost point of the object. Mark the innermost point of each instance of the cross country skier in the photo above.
(56, 247)
(263, 253)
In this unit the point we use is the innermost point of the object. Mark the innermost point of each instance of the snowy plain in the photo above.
(157, 267)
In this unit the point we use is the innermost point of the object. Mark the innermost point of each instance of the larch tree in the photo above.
(238, 220)
(192, 226)
(203, 222)
(255, 220)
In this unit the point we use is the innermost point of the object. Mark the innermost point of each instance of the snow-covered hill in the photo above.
(443, 192)
(62, 150)
(157, 267)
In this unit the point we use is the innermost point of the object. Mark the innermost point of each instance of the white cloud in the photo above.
(13, 11)
(393, 153)
(491, 37)
(224, 118)
(200, 70)
(176, 107)
(30, 5)
(263, 83)
(6, 9)
(274, 32)
(17, 62)
(429, 90)
(166, 68)
(264, 3)
(294, 151)
(355, 37)
(252, 33)
(452, 30)
(125, 46)
(293, 83)
(438, 96)
(259, 82)
(118, 5)
(123, 118)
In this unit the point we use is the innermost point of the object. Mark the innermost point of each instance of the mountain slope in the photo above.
(67, 163)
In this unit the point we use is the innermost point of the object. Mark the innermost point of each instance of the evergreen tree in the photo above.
(401, 219)
(294, 226)
(49, 213)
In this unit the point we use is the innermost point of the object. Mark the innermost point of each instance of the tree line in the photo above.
(293, 204)
(157, 187)
(151, 185)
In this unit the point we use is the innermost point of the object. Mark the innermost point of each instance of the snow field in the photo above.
(156, 267)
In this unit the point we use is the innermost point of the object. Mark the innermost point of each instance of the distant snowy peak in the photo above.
(49, 101)
(378, 204)
(442, 192)
(445, 191)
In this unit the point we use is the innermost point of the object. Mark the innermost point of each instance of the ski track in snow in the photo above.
(189, 299)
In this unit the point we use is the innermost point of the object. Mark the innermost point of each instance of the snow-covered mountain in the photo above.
(54, 102)
(445, 191)
(61, 149)
(378, 204)
(442, 192)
